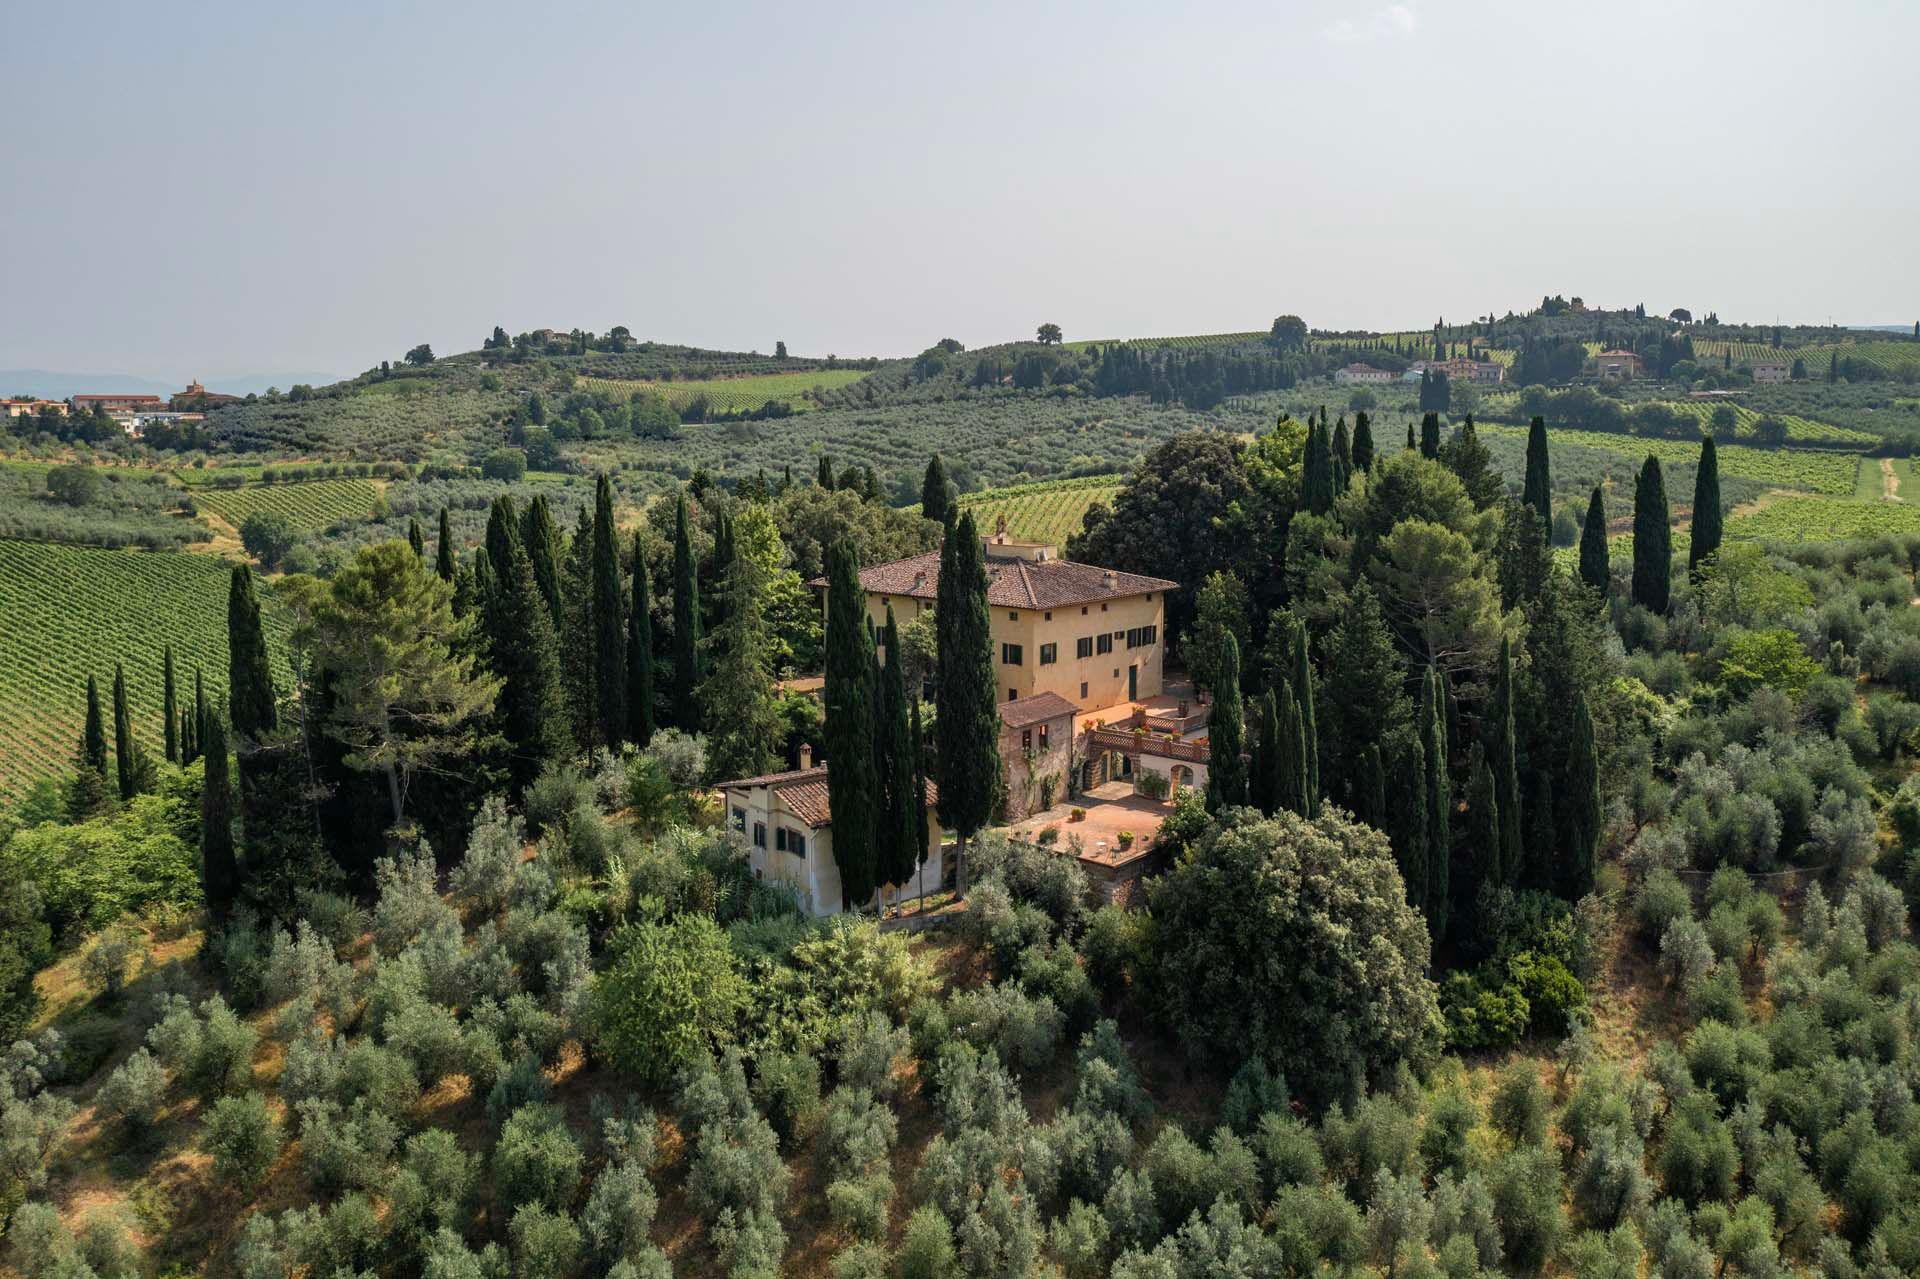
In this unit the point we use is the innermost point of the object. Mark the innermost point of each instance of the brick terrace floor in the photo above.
(1111, 808)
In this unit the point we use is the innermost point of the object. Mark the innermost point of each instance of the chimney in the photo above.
(919, 578)
(1111, 579)
(806, 756)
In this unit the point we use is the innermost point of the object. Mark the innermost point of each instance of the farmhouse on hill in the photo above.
(1616, 366)
(1361, 373)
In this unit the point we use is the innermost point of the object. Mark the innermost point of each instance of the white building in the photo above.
(1772, 372)
(1361, 373)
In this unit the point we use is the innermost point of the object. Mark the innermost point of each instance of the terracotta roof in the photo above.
(1037, 709)
(804, 791)
(1013, 581)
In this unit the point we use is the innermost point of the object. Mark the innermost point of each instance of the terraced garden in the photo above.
(313, 506)
(73, 611)
(734, 394)
(1048, 511)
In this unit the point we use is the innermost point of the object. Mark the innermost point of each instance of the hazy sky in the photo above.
(199, 188)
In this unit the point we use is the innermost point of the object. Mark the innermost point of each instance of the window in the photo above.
(740, 820)
(1048, 617)
(1026, 739)
(1049, 654)
(759, 834)
(1043, 737)
(1103, 642)
(1013, 694)
(1140, 636)
(1012, 655)
(1083, 690)
(1103, 608)
(797, 843)
(1013, 617)
(1083, 610)
(780, 839)
(1083, 647)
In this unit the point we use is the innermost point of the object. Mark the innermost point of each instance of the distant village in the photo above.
(134, 413)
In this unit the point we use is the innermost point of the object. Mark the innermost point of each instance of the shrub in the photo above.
(105, 963)
(537, 1160)
(133, 1092)
(553, 798)
(1022, 1030)
(866, 1050)
(670, 992)
(484, 877)
(509, 466)
(862, 1261)
(682, 755)
(243, 1138)
(786, 1086)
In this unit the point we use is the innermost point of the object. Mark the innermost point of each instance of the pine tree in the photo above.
(1433, 749)
(1227, 734)
(1362, 442)
(415, 538)
(640, 653)
(1502, 756)
(1538, 492)
(933, 491)
(1594, 569)
(609, 622)
(1410, 818)
(686, 621)
(1430, 436)
(542, 540)
(1316, 472)
(853, 788)
(1652, 540)
(125, 753)
(219, 869)
(249, 676)
(1581, 793)
(903, 799)
(170, 706)
(443, 558)
(1303, 680)
(522, 650)
(967, 724)
(1706, 508)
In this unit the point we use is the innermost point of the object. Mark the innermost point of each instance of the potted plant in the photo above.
(1125, 840)
(1077, 815)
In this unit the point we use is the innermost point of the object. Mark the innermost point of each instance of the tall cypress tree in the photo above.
(1582, 801)
(443, 558)
(921, 833)
(933, 491)
(1483, 836)
(640, 653)
(1433, 744)
(1316, 472)
(1543, 870)
(542, 540)
(201, 714)
(1430, 436)
(1706, 507)
(219, 869)
(904, 798)
(249, 677)
(1652, 540)
(89, 792)
(1503, 757)
(1263, 771)
(1538, 492)
(1227, 734)
(686, 621)
(1410, 444)
(853, 787)
(1362, 442)
(415, 538)
(1410, 818)
(170, 703)
(609, 621)
(824, 477)
(1370, 804)
(126, 763)
(522, 650)
(1593, 543)
(968, 721)
(575, 638)
(1342, 457)
(1303, 679)
(1290, 759)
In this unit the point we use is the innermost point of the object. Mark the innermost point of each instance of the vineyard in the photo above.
(1800, 430)
(1889, 359)
(733, 394)
(74, 611)
(312, 506)
(1048, 511)
(1808, 470)
(1823, 519)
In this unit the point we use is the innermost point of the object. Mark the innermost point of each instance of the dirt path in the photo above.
(1889, 481)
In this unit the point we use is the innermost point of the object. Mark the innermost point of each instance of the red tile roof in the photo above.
(1013, 581)
(804, 791)
(1037, 709)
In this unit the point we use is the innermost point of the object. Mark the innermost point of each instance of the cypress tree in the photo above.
(542, 540)
(1582, 798)
(1706, 507)
(1410, 444)
(201, 714)
(1309, 728)
(575, 638)
(443, 560)
(825, 476)
(1263, 770)
(1652, 540)
(1502, 756)
(170, 703)
(1430, 436)
(249, 677)
(686, 621)
(1362, 442)
(640, 653)
(1316, 472)
(853, 788)
(933, 491)
(1483, 835)
(219, 870)
(1593, 544)
(415, 538)
(522, 651)
(1342, 457)
(1538, 492)
(1371, 795)
(1542, 867)
(88, 794)
(1227, 734)
(718, 565)
(1290, 759)
(609, 621)
(1433, 748)
(920, 824)
(1412, 812)
(904, 800)
(967, 725)
(126, 765)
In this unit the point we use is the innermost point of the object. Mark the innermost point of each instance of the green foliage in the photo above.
(243, 1138)
(670, 992)
(537, 1160)
(90, 874)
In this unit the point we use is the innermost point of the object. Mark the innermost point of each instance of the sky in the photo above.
(205, 189)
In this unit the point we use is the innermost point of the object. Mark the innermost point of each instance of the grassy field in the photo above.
(1048, 511)
(735, 394)
(74, 611)
(1808, 470)
(312, 506)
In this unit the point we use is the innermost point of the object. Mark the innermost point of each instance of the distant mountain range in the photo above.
(1882, 328)
(58, 386)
